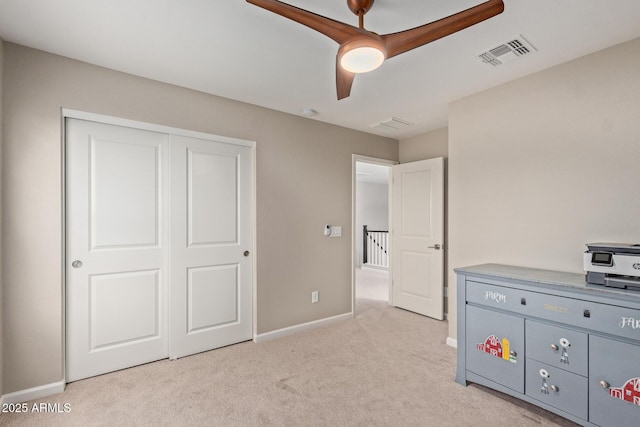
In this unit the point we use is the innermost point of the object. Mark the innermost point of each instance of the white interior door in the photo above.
(417, 237)
(211, 289)
(116, 248)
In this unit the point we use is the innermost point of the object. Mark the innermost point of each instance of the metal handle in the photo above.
(513, 353)
(604, 384)
(554, 388)
(76, 264)
(554, 347)
(436, 247)
(246, 253)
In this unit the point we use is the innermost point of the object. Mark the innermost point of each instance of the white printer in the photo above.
(613, 264)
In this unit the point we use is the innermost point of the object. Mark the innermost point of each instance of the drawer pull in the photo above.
(554, 388)
(523, 301)
(604, 384)
(554, 347)
(586, 313)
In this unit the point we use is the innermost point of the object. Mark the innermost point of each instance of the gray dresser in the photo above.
(553, 340)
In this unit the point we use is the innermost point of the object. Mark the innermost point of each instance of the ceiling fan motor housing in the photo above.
(359, 5)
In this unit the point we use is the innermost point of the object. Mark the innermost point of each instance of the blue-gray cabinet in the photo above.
(486, 334)
(614, 386)
(552, 340)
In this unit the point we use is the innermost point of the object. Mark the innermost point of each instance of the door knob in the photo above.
(436, 247)
(246, 253)
(76, 264)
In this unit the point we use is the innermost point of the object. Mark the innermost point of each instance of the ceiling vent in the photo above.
(391, 123)
(507, 52)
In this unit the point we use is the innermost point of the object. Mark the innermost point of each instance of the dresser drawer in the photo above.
(501, 297)
(570, 311)
(558, 388)
(614, 320)
(556, 346)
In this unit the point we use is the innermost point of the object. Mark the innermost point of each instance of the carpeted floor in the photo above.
(384, 367)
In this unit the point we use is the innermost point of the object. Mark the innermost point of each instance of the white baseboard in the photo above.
(33, 393)
(452, 342)
(268, 336)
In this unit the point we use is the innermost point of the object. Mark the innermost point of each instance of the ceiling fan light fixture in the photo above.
(362, 59)
(362, 54)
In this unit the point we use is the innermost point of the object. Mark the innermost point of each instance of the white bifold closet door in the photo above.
(157, 229)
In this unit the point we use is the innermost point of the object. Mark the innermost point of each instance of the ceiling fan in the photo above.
(361, 50)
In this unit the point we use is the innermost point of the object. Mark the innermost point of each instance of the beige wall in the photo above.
(542, 165)
(303, 182)
(425, 146)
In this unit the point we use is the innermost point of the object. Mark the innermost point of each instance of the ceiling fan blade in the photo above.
(336, 30)
(404, 41)
(344, 80)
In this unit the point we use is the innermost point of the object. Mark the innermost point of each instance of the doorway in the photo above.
(415, 248)
(371, 215)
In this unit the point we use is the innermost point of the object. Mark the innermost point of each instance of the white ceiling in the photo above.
(236, 50)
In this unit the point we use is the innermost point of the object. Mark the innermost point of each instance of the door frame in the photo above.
(354, 254)
(118, 121)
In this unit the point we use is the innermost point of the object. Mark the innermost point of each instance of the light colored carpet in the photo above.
(384, 367)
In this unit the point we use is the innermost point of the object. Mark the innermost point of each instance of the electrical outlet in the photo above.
(314, 297)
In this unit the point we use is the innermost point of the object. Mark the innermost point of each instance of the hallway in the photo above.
(372, 284)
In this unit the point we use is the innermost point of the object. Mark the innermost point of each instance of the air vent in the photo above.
(507, 52)
(392, 123)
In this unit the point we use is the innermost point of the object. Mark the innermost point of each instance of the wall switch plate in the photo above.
(314, 297)
(336, 231)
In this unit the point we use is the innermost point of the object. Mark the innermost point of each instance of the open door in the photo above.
(417, 237)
